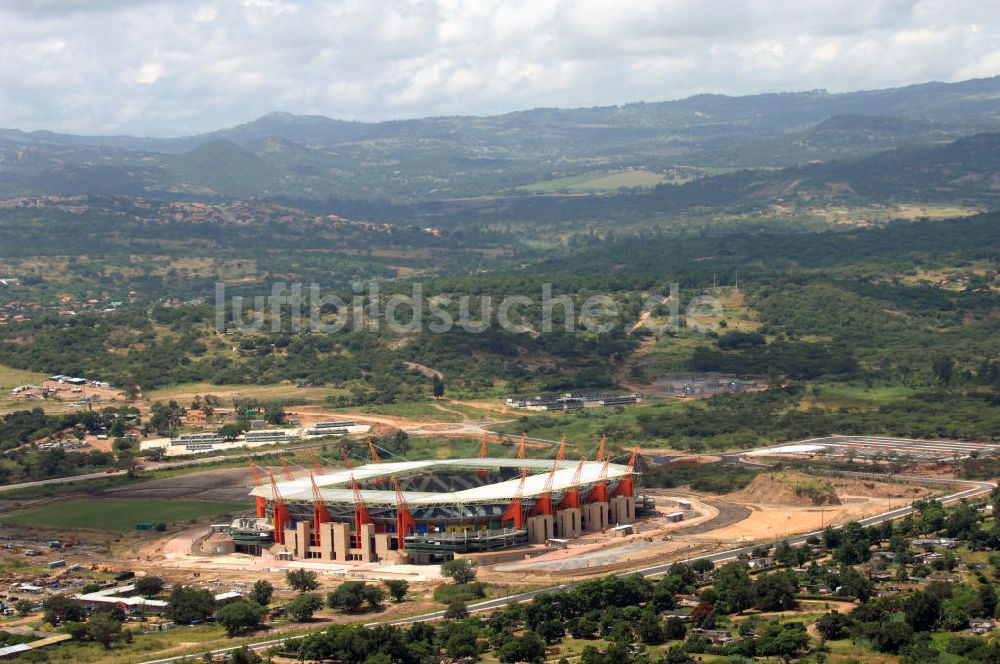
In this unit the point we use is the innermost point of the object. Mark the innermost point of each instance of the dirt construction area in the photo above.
(226, 485)
(774, 505)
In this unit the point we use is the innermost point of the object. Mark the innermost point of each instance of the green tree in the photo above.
(663, 596)
(239, 617)
(59, 609)
(649, 629)
(456, 610)
(349, 596)
(677, 655)
(302, 608)
(374, 597)
(833, 626)
(987, 599)
(262, 592)
(784, 640)
(583, 628)
(149, 586)
(733, 589)
(551, 631)
(104, 629)
(460, 639)
(674, 629)
(526, 648)
(891, 637)
(775, 592)
(459, 570)
(922, 610)
(302, 580)
(591, 655)
(231, 430)
(438, 387)
(702, 565)
(187, 605)
(243, 655)
(397, 588)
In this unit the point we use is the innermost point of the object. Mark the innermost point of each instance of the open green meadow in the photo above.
(117, 514)
(276, 391)
(11, 378)
(584, 427)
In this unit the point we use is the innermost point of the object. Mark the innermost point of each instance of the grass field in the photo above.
(583, 428)
(116, 514)
(11, 378)
(598, 181)
(186, 391)
(843, 395)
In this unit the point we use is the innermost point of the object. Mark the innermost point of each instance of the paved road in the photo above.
(978, 488)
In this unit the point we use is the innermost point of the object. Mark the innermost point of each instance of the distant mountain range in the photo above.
(314, 157)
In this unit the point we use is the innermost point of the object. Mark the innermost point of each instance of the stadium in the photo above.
(429, 511)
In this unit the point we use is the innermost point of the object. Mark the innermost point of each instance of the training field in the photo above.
(117, 514)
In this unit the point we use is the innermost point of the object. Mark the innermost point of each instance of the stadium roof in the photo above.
(336, 487)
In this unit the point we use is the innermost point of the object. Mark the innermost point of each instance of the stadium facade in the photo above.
(428, 511)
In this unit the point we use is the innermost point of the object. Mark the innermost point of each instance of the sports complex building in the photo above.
(428, 511)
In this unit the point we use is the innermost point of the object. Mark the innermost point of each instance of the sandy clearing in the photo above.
(768, 522)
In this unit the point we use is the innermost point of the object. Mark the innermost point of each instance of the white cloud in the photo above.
(172, 67)
(149, 73)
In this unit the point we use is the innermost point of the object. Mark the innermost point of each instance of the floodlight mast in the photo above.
(371, 448)
(315, 462)
(515, 510)
(361, 514)
(544, 503)
(279, 515)
(320, 514)
(599, 494)
(626, 487)
(376, 459)
(572, 497)
(405, 523)
(285, 467)
(482, 472)
(260, 503)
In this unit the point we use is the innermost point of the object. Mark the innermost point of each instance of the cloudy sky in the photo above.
(184, 66)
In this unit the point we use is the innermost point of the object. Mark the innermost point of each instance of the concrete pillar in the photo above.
(382, 545)
(341, 541)
(568, 523)
(290, 543)
(326, 542)
(365, 550)
(303, 539)
(622, 510)
(540, 529)
(595, 517)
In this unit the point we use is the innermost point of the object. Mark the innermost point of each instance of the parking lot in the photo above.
(877, 448)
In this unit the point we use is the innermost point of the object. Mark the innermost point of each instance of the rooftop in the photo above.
(336, 487)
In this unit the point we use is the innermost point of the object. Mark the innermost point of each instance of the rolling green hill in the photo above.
(455, 157)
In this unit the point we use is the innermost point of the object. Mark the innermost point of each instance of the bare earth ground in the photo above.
(227, 485)
(66, 400)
